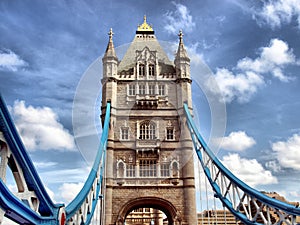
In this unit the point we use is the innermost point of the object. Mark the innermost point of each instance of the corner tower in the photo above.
(149, 153)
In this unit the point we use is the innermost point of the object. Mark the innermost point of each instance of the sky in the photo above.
(251, 50)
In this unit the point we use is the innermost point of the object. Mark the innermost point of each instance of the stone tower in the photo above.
(149, 151)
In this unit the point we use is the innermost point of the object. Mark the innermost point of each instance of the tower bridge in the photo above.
(143, 172)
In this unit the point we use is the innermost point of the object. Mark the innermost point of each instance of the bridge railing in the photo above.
(247, 204)
(81, 209)
(32, 204)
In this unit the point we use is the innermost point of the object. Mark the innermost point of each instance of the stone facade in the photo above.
(149, 149)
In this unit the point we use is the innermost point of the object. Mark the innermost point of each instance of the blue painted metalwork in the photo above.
(212, 165)
(98, 166)
(46, 207)
(48, 212)
(17, 210)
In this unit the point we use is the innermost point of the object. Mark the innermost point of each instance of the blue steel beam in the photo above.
(98, 166)
(275, 204)
(46, 207)
(17, 211)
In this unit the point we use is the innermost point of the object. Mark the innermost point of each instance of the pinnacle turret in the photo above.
(110, 49)
(182, 60)
(181, 52)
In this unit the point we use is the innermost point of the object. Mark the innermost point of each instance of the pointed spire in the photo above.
(110, 50)
(110, 34)
(180, 37)
(181, 52)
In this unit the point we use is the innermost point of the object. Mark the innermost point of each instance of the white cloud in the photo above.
(288, 152)
(240, 86)
(43, 165)
(249, 73)
(237, 141)
(50, 193)
(273, 165)
(10, 61)
(249, 171)
(60, 176)
(68, 191)
(279, 12)
(40, 128)
(180, 19)
(271, 60)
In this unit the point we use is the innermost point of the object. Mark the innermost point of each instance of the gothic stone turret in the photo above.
(149, 155)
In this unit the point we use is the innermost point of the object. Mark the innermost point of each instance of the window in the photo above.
(130, 170)
(175, 169)
(151, 89)
(142, 70)
(124, 133)
(142, 89)
(121, 169)
(131, 89)
(147, 209)
(147, 130)
(147, 168)
(164, 170)
(151, 70)
(170, 133)
(161, 89)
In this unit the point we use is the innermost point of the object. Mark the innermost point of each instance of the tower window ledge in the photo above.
(146, 100)
(152, 143)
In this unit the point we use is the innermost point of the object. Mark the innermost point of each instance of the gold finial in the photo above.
(180, 36)
(110, 34)
(145, 26)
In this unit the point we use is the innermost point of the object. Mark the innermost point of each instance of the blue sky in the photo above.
(251, 47)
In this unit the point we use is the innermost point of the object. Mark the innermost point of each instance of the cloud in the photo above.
(10, 61)
(279, 12)
(237, 141)
(43, 165)
(244, 80)
(271, 60)
(273, 165)
(239, 86)
(40, 128)
(180, 19)
(78, 175)
(287, 152)
(50, 193)
(249, 171)
(68, 191)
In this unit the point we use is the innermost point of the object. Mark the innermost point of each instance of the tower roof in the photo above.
(144, 38)
(145, 28)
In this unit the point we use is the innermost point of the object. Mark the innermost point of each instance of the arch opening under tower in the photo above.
(149, 210)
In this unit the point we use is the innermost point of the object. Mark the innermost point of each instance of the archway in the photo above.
(163, 205)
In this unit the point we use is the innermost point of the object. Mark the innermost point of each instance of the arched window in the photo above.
(120, 169)
(142, 89)
(130, 170)
(142, 70)
(151, 89)
(151, 70)
(170, 133)
(161, 89)
(165, 170)
(147, 130)
(175, 169)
